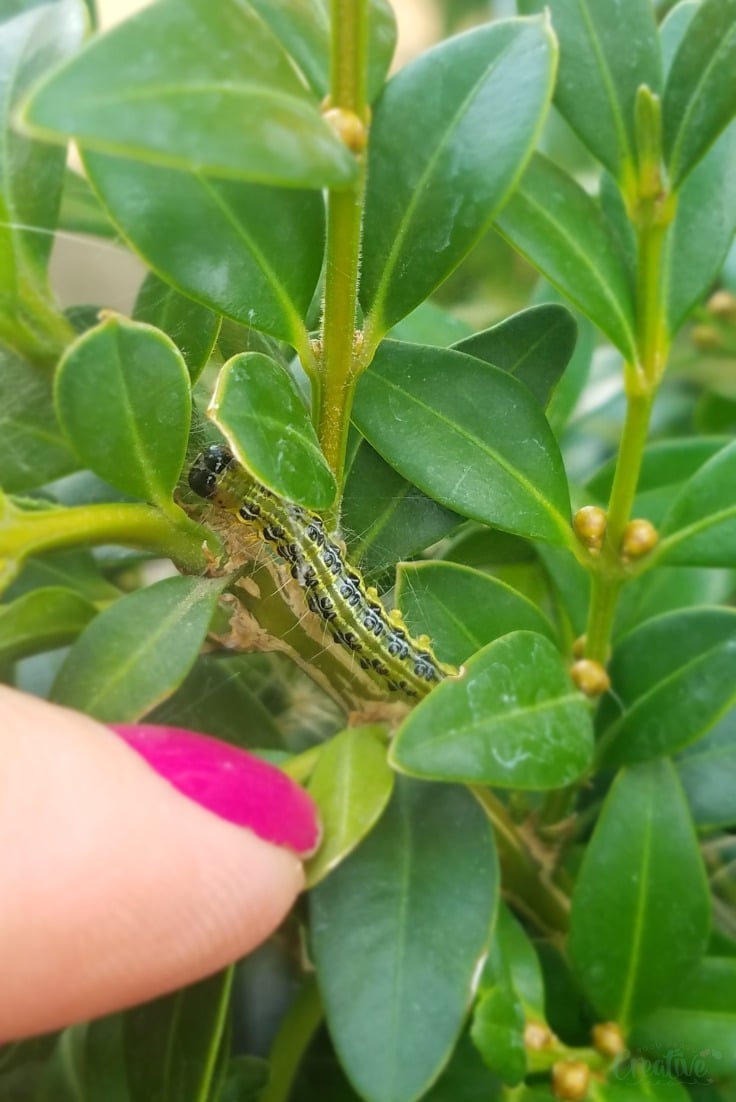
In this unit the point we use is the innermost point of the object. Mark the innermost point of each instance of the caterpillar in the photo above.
(334, 590)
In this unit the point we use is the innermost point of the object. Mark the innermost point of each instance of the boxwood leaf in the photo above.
(192, 327)
(138, 650)
(673, 677)
(700, 527)
(33, 449)
(174, 1046)
(258, 409)
(384, 517)
(450, 136)
(42, 620)
(641, 908)
(700, 95)
(81, 210)
(707, 770)
(351, 785)
(560, 229)
(250, 252)
(535, 345)
(699, 1021)
(122, 395)
(512, 719)
(498, 1034)
(462, 609)
(468, 434)
(124, 94)
(409, 911)
(608, 48)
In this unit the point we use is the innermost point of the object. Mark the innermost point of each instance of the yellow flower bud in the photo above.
(639, 538)
(589, 525)
(722, 304)
(608, 1039)
(349, 128)
(537, 1036)
(590, 677)
(705, 337)
(570, 1079)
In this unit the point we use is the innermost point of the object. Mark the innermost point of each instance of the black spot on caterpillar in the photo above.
(334, 590)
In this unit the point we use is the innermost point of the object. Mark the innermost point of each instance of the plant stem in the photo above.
(292, 1040)
(344, 219)
(543, 903)
(24, 532)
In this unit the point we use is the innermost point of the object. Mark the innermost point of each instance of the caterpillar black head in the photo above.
(207, 466)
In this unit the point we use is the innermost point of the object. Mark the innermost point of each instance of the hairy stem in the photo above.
(344, 219)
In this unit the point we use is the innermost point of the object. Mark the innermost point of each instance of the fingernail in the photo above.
(235, 785)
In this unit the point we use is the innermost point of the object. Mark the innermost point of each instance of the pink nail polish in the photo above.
(233, 784)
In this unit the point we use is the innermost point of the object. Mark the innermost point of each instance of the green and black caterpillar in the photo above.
(351, 612)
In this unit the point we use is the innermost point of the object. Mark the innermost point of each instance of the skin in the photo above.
(115, 887)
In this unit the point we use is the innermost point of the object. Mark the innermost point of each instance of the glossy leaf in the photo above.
(640, 909)
(122, 394)
(464, 1079)
(462, 609)
(608, 48)
(467, 434)
(409, 911)
(258, 409)
(630, 1082)
(707, 770)
(700, 95)
(699, 1020)
(516, 957)
(42, 620)
(673, 677)
(31, 173)
(384, 517)
(351, 785)
(174, 1045)
(534, 345)
(449, 138)
(560, 229)
(703, 228)
(700, 527)
(80, 210)
(125, 94)
(138, 650)
(512, 719)
(304, 31)
(33, 449)
(252, 253)
(498, 1034)
(192, 327)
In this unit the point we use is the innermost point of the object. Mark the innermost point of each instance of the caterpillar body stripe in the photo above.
(334, 590)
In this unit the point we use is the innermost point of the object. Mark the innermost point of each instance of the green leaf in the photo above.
(80, 210)
(245, 1078)
(384, 517)
(174, 1045)
(42, 620)
(250, 252)
(700, 527)
(31, 173)
(258, 409)
(122, 395)
(707, 770)
(465, 1078)
(700, 95)
(608, 48)
(640, 909)
(535, 345)
(561, 230)
(517, 960)
(192, 328)
(33, 450)
(138, 650)
(498, 1034)
(304, 31)
(408, 912)
(673, 678)
(462, 609)
(703, 229)
(172, 86)
(630, 1083)
(450, 136)
(351, 785)
(512, 719)
(460, 430)
(699, 1021)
